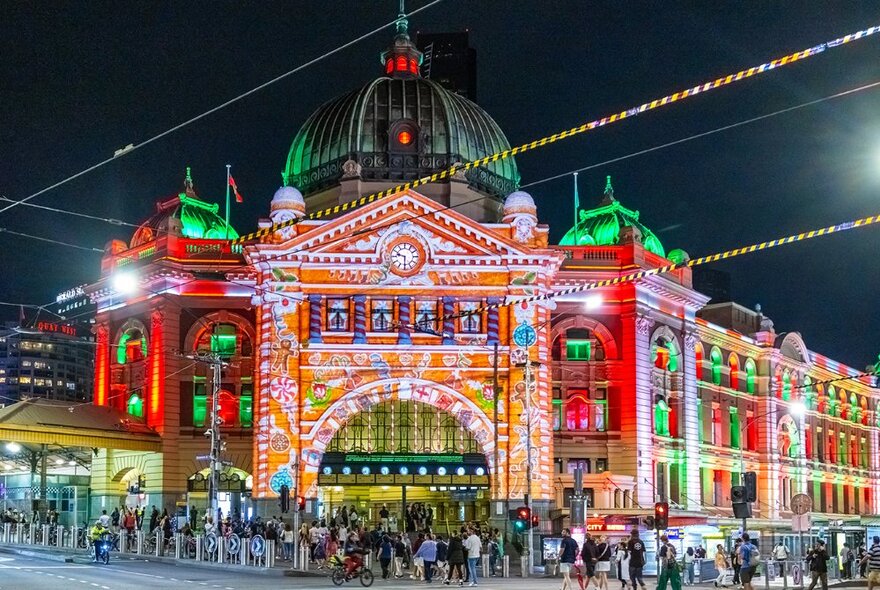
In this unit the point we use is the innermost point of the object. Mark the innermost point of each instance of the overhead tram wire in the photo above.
(110, 220)
(705, 134)
(583, 128)
(4, 230)
(215, 109)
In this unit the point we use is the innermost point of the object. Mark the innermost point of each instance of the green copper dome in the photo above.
(396, 128)
(601, 226)
(197, 219)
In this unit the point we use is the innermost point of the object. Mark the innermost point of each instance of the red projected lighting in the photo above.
(404, 138)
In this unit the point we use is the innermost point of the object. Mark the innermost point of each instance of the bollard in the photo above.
(59, 536)
(242, 554)
(270, 554)
(32, 534)
(221, 549)
(160, 543)
(199, 547)
(123, 541)
(505, 566)
(45, 538)
(767, 567)
(140, 542)
(485, 562)
(524, 566)
(304, 558)
(784, 575)
(7, 532)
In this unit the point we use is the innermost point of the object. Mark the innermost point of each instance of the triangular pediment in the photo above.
(365, 233)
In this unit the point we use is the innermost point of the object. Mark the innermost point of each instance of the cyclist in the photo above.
(95, 534)
(353, 552)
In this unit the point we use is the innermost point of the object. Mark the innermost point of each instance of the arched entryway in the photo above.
(413, 458)
(233, 490)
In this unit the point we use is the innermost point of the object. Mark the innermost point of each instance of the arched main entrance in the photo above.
(405, 454)
(234, 487)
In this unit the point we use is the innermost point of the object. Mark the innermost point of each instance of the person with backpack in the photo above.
(846, 560)
(780, 556)
(749, 560)
(568, 550)
(636, 548)
(669, 571)
(689, 560)
(735, 562)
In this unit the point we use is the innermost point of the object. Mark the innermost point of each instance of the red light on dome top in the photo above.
(413, 67)
(389, 66)
(400, 63)
(404, 138)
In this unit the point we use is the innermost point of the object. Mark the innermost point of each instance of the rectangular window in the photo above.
(601, 465)
(600, 412)
(337, 315)
(200, 407)
(577, 350)
(381, 315)
(246, 406)
(751, 432)
(557, 414)
(716, 426)
(841, 449)
(700, 420)
(863, 454)
(573, 464)
(568, 493)
(470, 323)
(426, 316)
(734, 428)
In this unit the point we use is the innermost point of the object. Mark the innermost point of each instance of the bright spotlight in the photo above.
(13, 447)
(59, 461)
(797, 409)
(593, 301)
(124, 283)
(72, 463)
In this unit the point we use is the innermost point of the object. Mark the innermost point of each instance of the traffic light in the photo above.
(523, 519)
(738, 494)
(536, 520)
(661, 516)
(285, 499)
(300, 503)
(750, 480)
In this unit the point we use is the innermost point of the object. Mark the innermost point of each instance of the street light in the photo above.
(13, 447)
(797, 409)
(593, 302)
(124, 283)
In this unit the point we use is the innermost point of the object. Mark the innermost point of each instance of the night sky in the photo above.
(82, 79)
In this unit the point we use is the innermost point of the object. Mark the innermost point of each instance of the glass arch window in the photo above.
(135, 405)
(785, 391)
(751, 376)
(661, 418)
(733, 363)
(664, 354)
(698, 361)
(132, 347)
(715, 357)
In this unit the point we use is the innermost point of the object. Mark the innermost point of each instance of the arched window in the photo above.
(716, 359)
(664, 354)
(225, 340)
(698, 361)
(786, 385)
(751, 376)
(661, 417)
(787, 438)
(577, 414)
(809, 396)
(577, 344)
(733, 363)
(132, 347)
(135, 405)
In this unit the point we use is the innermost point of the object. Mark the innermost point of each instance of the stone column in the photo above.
(448, 321)
(403, 318)
(690, 422)
(360, 319)
(315, 319)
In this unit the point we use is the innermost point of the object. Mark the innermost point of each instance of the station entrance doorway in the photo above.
(416, 460)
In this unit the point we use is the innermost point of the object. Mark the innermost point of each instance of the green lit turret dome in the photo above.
(601, 226)
(398, 127)
(184, 215)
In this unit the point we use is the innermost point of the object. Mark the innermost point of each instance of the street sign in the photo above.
(258, 546)
(801, 523)
(233, 544)
(801, 504)
(210, 543)
(524, 335)
(203, 457)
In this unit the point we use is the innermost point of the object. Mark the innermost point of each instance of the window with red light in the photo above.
(733, 363)
(228, 408)
(577, 413)
(751, 433)
(808, 442)
(698, 364)
(400, 63)
(413, 67)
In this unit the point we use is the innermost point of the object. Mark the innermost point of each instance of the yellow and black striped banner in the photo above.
(648, 106)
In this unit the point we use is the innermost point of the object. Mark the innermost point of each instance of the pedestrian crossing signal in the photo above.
(523, 519)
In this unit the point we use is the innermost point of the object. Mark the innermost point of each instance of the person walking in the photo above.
(603, 562)
(689, 560)
(399, 556)
(568, 550)
(846, 560)
(474, 546)
(287, 542)
(442, 558)
(494, 554)
(722, 564)
(668, 566)
(872, 562)
(780, 556)
(636, 549)
(456, 559)
(428, 552)
(386, 549)
(621, 560)
(735, 563)
(818, 558)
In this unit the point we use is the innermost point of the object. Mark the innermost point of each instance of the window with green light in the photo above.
(786, 386)
(577, 350)
(751, 376)
(557, 414)
(734, 429)
(135, 405)
(841, 449)
(132, 347)
(246, 406)
(700, 420)
(200, 405)
(224, 340)
(716, 359)
(661, 418)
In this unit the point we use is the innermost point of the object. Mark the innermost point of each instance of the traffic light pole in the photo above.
(528, 408)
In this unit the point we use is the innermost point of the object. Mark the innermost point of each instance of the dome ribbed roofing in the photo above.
(197, 219)
(601, 226)
(357, 126)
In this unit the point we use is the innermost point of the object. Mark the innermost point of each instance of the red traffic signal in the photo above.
(536, 520)
(661, 516)
(301, 503)
(523, 513)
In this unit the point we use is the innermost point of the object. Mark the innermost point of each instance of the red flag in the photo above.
(238, 198)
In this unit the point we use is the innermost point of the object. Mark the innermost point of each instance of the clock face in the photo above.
(405, 258)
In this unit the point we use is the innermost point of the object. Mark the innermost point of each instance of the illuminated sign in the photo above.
(52, 327)
(69, 294)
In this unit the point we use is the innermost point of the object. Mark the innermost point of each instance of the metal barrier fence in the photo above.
(255, 551)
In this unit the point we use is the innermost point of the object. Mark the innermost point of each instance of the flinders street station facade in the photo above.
(341, 383)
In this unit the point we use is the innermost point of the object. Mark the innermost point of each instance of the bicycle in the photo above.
(338, 575)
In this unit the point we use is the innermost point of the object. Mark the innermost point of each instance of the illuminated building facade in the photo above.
(357, 374)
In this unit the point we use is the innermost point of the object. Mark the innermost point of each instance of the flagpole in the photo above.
(228, 166)
(576, 207)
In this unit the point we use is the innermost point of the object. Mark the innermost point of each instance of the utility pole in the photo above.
(216, 362)
(528, 407)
